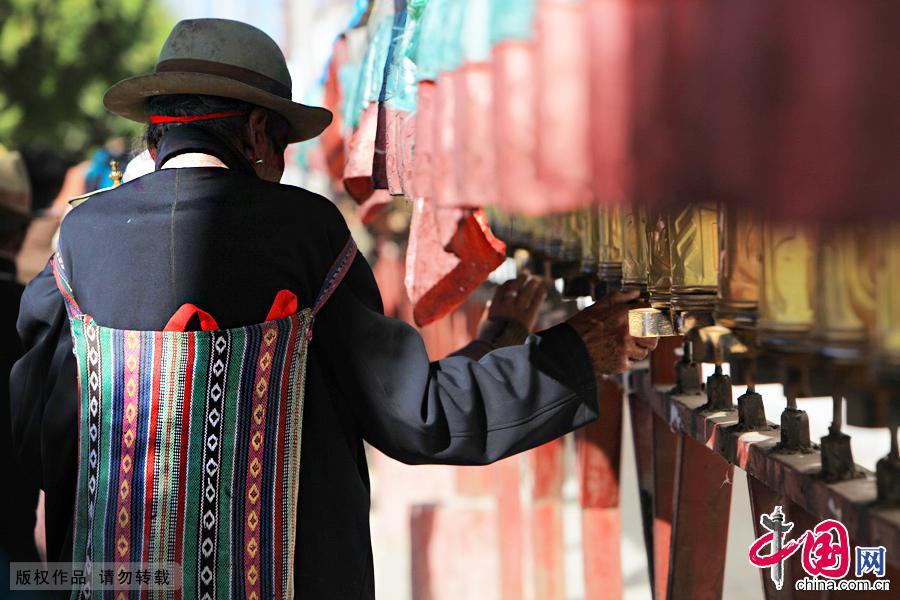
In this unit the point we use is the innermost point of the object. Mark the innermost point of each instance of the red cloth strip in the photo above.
(183, 315)
(159, 119)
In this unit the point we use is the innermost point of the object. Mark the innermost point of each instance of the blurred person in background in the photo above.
(19, 499)
(97, 176)
(46, 173)
(212, 227)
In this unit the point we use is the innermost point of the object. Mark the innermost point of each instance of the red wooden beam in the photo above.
(665, 447)
(763, 500)
(510, 523)
(797, 476)
(702, 503)
(547, 545)
(642, 434)
(662, 360)
(598, 447)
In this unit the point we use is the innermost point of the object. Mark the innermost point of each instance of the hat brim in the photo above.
(128, 98)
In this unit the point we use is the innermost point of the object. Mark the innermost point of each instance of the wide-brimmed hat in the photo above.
(15, 188)
(219, 57)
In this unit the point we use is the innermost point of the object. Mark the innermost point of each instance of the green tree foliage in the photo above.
(57, 57)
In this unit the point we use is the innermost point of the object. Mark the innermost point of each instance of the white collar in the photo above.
(193, 159)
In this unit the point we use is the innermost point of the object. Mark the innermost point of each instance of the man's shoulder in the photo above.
(307, 200)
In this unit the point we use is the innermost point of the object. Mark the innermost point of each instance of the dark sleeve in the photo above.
(44, 406)
(457, 410)
(45, 375)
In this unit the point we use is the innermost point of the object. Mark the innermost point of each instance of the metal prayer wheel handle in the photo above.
(718, 391)
(794, 422)
(752, 412)
(688, 373)
(650, 322)
(717, 344)
(887, 473)
(837, 457)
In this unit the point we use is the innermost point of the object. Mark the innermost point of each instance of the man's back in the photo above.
(224, 241)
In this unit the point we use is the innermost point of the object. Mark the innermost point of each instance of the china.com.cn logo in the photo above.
(824, 552)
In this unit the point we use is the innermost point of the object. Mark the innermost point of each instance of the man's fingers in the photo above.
(617, 298)
(637, 353)
(614, 316)
(648, 343)
(504, 289)
(528, 291)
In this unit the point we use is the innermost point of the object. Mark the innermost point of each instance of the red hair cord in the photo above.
(159, 119)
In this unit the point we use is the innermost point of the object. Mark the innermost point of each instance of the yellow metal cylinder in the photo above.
(694, 242)
(887, 308)
(609, 244)
(635, 255)
(845, 290)
(659, 283)
(740, 267)
(786, 316)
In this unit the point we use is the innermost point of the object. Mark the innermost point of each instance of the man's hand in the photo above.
(511, 317)
(518, 300)
(604, 329)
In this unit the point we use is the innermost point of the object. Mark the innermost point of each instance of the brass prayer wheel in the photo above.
(887, 307)
(659, 283)
(635, 253)
(740, 267)
(694, 241)
(561, 249)
(845, 290)
(581, 236)
(585, 222)
(786, 315)
(609, 245)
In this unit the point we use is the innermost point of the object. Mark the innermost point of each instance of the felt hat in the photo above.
(219, 57)
(15, 188)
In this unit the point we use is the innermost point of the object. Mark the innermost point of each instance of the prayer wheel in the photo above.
(845, 296)
(694, 243)
(887, 307)
(845, 316)
(635, 253)
(609, 245)
(584, 238)
(659, 283)
(786, 316)
(740, 274)
(561, 245)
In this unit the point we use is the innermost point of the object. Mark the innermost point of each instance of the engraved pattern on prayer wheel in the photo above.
(786, 314)
(740, 273)
(694, 242)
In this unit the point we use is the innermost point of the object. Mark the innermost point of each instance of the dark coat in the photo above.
(16, 509)
(228, 242)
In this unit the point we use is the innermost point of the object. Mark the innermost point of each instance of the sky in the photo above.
(265, 14)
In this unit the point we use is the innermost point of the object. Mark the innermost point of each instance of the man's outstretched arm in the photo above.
(459, 410)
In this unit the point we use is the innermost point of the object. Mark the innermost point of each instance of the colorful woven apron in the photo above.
(189, 447)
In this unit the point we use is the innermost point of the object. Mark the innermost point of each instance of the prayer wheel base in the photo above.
(794, 431)
(837, 457)
(688, 377)
(887, 474)
(718, 392)
(752, 413)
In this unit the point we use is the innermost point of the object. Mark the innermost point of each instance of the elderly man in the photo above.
(211, 227)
